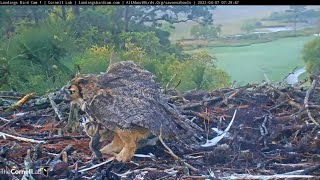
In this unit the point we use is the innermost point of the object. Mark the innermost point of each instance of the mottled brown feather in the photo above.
(126, 99)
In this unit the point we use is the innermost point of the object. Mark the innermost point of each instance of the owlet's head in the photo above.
(76, 90)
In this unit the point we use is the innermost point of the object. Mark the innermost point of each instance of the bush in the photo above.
(311, 56)
(35, 59)
(93, 60)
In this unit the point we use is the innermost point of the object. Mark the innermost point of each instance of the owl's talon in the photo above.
(123, 157)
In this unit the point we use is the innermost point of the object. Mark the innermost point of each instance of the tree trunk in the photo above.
(35, 15)
(63, 13)
(76, 10)
(126, 18)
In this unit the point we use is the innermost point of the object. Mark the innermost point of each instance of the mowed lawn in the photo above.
(249, 63)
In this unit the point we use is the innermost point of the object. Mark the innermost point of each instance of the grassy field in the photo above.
(249, 63)
(231, 18)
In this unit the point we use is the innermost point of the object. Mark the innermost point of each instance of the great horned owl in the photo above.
(127, 102)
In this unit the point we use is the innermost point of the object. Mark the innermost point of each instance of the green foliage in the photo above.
(311, 56)
(145, 40)
(91, 28)
(196, 72)
(250, 25)
(4, 71)
(41, 48)
(294, 14)
(202, 72)
(206, 31)
(35, 59)
(93, 60)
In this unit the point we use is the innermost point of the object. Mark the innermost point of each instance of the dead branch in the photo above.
(289, 74)
(311, 169)
(66, 149)
(20, 102)
(311, 117)
(56, 110)
(97, 165)
(201, 115)
(312, 87)
(11, 122)
(306, 99)
(202, 103)
(276, 176)
(174, 155)
(63, 138)
(4, 135)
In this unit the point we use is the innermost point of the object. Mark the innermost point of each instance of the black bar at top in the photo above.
(61, 2)
(160, 2)
(222, 2)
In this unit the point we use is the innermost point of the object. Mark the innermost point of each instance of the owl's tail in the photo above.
(187, 133)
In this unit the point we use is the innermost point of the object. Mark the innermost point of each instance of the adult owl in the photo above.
(126, 105)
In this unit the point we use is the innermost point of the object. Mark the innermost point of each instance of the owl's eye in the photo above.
(72, 91)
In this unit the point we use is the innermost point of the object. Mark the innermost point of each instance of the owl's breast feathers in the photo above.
(127, 98)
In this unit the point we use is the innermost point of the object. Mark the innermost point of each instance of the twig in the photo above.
(233, 83)
(289, 74)
(54, 106)
(194, 177)
(311, 118)
(3, 119)
(175, 87)
(202, 115)
(173, 154)
(13, 121)
(311, 169)
(314, 106)
(306, 100)
(63, 137)
(278, 105)
(97, 165)
(167, 86)
(20, 138)
(66, 149)
(276, 176)
(206, 102)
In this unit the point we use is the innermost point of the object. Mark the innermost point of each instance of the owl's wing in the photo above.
(133, 100)
(124, 112)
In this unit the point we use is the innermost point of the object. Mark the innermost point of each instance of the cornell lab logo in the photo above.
(5, 170)
(45, 170)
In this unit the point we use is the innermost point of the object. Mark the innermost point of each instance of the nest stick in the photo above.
(54, 106)
(97, 165)
(174, 155)
(20, 138)
(306, 100)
